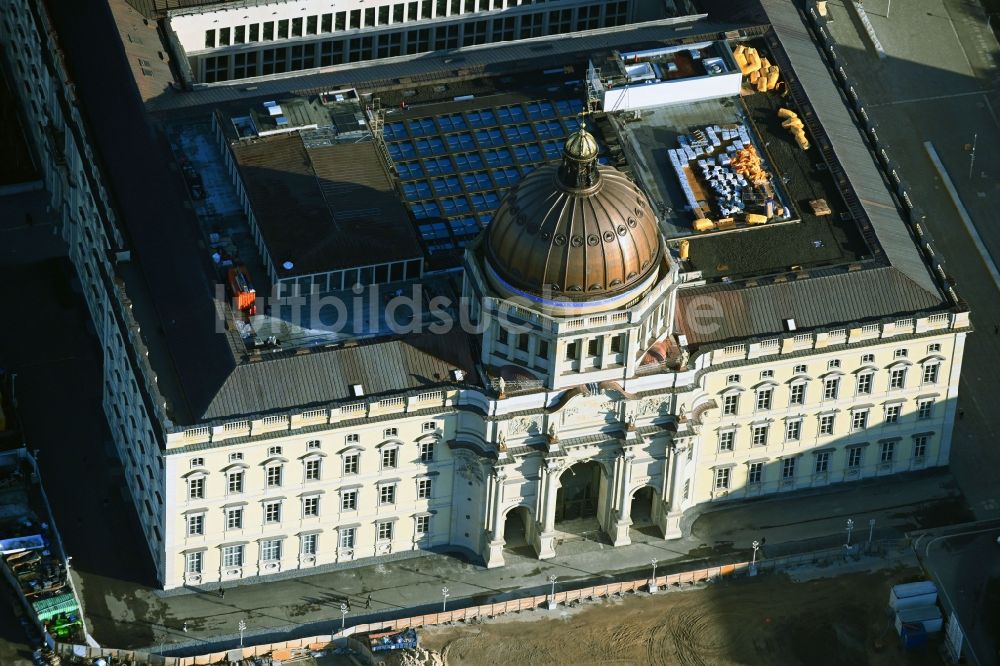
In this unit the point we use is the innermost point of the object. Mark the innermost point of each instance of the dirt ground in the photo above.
(765, 620)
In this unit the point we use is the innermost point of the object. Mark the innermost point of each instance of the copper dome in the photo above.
(575, 231)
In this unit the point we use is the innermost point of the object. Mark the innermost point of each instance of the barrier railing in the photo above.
(321, 642)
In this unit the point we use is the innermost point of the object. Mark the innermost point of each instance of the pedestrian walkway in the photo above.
(311, 605)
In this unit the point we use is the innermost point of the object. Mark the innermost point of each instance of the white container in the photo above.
(913, 595)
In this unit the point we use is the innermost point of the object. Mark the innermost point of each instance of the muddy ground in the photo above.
(765, 620)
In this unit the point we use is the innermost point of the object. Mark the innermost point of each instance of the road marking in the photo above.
(964, 215)
(932, 98)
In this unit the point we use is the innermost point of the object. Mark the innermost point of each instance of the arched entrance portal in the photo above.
(641, 510)
(578, 492)
(516, 528)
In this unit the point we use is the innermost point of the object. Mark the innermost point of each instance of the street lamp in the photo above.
(444, 598)
(850, 528)
(552, 591)
(242, 626)
(652, 581)
(343, 616)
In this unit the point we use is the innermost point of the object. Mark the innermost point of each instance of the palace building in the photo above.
(420, 304)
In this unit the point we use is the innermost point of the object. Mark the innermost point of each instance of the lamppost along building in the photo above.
(379, 309)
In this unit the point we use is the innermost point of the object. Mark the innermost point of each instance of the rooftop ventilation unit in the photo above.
(790, 324)
(357, 390)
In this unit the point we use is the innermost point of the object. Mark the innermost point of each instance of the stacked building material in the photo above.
(759, 72)
(793, 124)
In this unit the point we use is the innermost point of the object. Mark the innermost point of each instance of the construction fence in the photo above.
(290, 648)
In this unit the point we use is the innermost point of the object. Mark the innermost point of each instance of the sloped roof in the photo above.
(722, 313)
(830, 108)
(322, 377)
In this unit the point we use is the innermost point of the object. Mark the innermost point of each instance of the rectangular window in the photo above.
(353, 438)
(722, 479)
(311, 25)
(426, 452)
(760, 435)
(269, 31)
(835, 363)
(234, 519)
(793, 430)
(822, 462)
(429, 426)
(572, 350)
(901, 353)
(272, 512)
(283, 29)
(210, 39)
(352, 462)
(826, 424)
(223, 36)
(347, 535)
(934, 348)
(424, 489)
(326, 23)
(593, 346)
(859, 419)
(308, 544)
(766, 374)
(764, 399)
(831, 387)
(522, 342)
(232, 556)
(755, 473)
(274, 476)
(255, 32)
(387, 494)
(340, 21)
(920, 446)
(349, 500)
(865, 383)
(193, 562)
(196, 524)
(897, 378)
(423, 525)
(235, 484)
(727, 439)
(733, 379)
(389, 458)
(233, 457)
(800, 370)
(310, 506)
(788, 468)
(369, 17)
(887, 451)
(542, 350)
(924, 408)
(930, 373)
(383, 15)
(239, 34)
(384, 531)
(854, 457)
(398, 12)
(892, 413)
(270, 550)
(730, 404)
(312, 470)
(390, 433)
(196, 488)
(797, 395)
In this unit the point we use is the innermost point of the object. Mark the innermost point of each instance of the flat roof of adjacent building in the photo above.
(323, 207)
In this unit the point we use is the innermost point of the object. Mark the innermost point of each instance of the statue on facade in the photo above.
(553, 434)
(685, 357)
(631, 421)
(502, 386)
(502, 443)
(682, 413)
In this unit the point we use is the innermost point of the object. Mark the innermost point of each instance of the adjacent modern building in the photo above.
(483, 317)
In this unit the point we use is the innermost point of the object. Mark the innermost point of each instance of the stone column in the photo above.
(671, 519)
(494, 552)
(623, 477)
(547, 510)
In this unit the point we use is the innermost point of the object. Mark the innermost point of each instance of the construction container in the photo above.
(787, 113)
(913, 636)
(929, 617)
(912, 595)
(754, 218)
(242, 289)
(703, 224)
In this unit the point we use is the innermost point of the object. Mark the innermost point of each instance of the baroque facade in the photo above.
(595, 393)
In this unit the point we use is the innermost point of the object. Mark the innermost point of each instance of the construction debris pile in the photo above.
(727, 178)
(792, 123)
(30, 560)
(759, 72)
